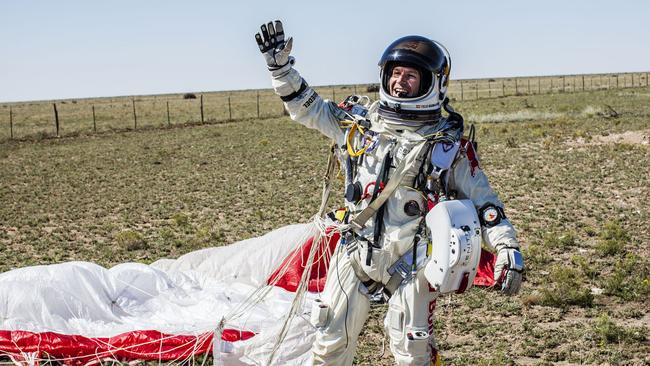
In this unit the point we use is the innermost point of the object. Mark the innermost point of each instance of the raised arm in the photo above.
(303, 103)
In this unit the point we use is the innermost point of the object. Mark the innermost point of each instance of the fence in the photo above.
(84, 116)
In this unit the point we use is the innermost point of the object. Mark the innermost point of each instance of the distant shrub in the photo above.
(372, 88)
(181, 219)
(189, 96)
(131, 240)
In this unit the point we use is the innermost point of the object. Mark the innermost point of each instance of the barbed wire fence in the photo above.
(71, 117)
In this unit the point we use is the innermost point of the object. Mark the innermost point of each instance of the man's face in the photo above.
(404, 82)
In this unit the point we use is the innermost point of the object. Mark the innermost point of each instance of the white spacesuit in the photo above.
(390, 148)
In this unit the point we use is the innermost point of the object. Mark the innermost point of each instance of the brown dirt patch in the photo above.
(641, 137)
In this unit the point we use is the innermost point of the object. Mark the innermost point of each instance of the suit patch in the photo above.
(311, 100)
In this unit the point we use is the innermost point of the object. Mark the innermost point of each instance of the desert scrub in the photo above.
(607, 332)
(180, 219)
(587, 269)
(565, 289)
(630, 279)
(612, 239)
(536, 255)
(564, 240)
(130, 240)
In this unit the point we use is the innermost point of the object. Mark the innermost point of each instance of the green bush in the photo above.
(630, 279)
(587, 269)
(561, 240)
(181, 219)
(565, 289)
(613, 239)
(607, 332)
(131, 240)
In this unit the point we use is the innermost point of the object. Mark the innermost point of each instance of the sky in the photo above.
(77, 49)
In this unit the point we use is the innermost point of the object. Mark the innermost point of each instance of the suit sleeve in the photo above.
(305, 106)
(469, 180)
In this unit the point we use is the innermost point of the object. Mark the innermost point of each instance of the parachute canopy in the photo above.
(231, 302)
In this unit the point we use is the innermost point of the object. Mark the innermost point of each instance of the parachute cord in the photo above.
(327, 181)
(216, 343)
(297, 302)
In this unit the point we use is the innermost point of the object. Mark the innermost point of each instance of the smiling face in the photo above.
(404, 82)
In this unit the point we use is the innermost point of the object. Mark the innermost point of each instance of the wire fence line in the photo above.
(70, 117)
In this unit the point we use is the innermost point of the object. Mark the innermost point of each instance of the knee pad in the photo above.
(407, 342)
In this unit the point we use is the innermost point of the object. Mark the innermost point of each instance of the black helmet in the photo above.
(432, 60)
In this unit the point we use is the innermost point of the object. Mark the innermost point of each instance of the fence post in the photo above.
(551, 84)
(229, 110)
(11, 123)
(489, 88)
(168, 119)
(646, 79)
(563, 84)
(616, 81)
(333, 95)
(516, 86)
(56, 119)
(583, 83)
(476, 89)
(503, 87)
(258, 104)
(135, 116)
(202, 120)
(94, 120)
(539, 86)
(355, 89)
(462, 94)
(528, 86)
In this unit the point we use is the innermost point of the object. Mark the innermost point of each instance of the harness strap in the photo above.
(359, 222)
(370, 284)
(400, 271)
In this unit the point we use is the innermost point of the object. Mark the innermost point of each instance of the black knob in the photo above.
(353, 192)
(412, 208)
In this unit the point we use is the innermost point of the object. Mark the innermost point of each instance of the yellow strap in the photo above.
(349, 144)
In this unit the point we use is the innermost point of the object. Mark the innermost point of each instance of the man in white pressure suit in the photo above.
(402, 158)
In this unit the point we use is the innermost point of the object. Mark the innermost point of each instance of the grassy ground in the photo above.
(572, 170)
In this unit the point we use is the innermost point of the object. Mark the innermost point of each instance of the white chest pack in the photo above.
(455, 246)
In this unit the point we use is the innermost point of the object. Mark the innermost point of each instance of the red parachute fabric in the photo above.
(485, 271)
(142, 345)
(295, 266)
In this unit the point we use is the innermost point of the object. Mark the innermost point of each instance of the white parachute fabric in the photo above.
(189, 296)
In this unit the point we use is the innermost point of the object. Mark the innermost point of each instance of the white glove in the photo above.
(272, 44)
(508, 269)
